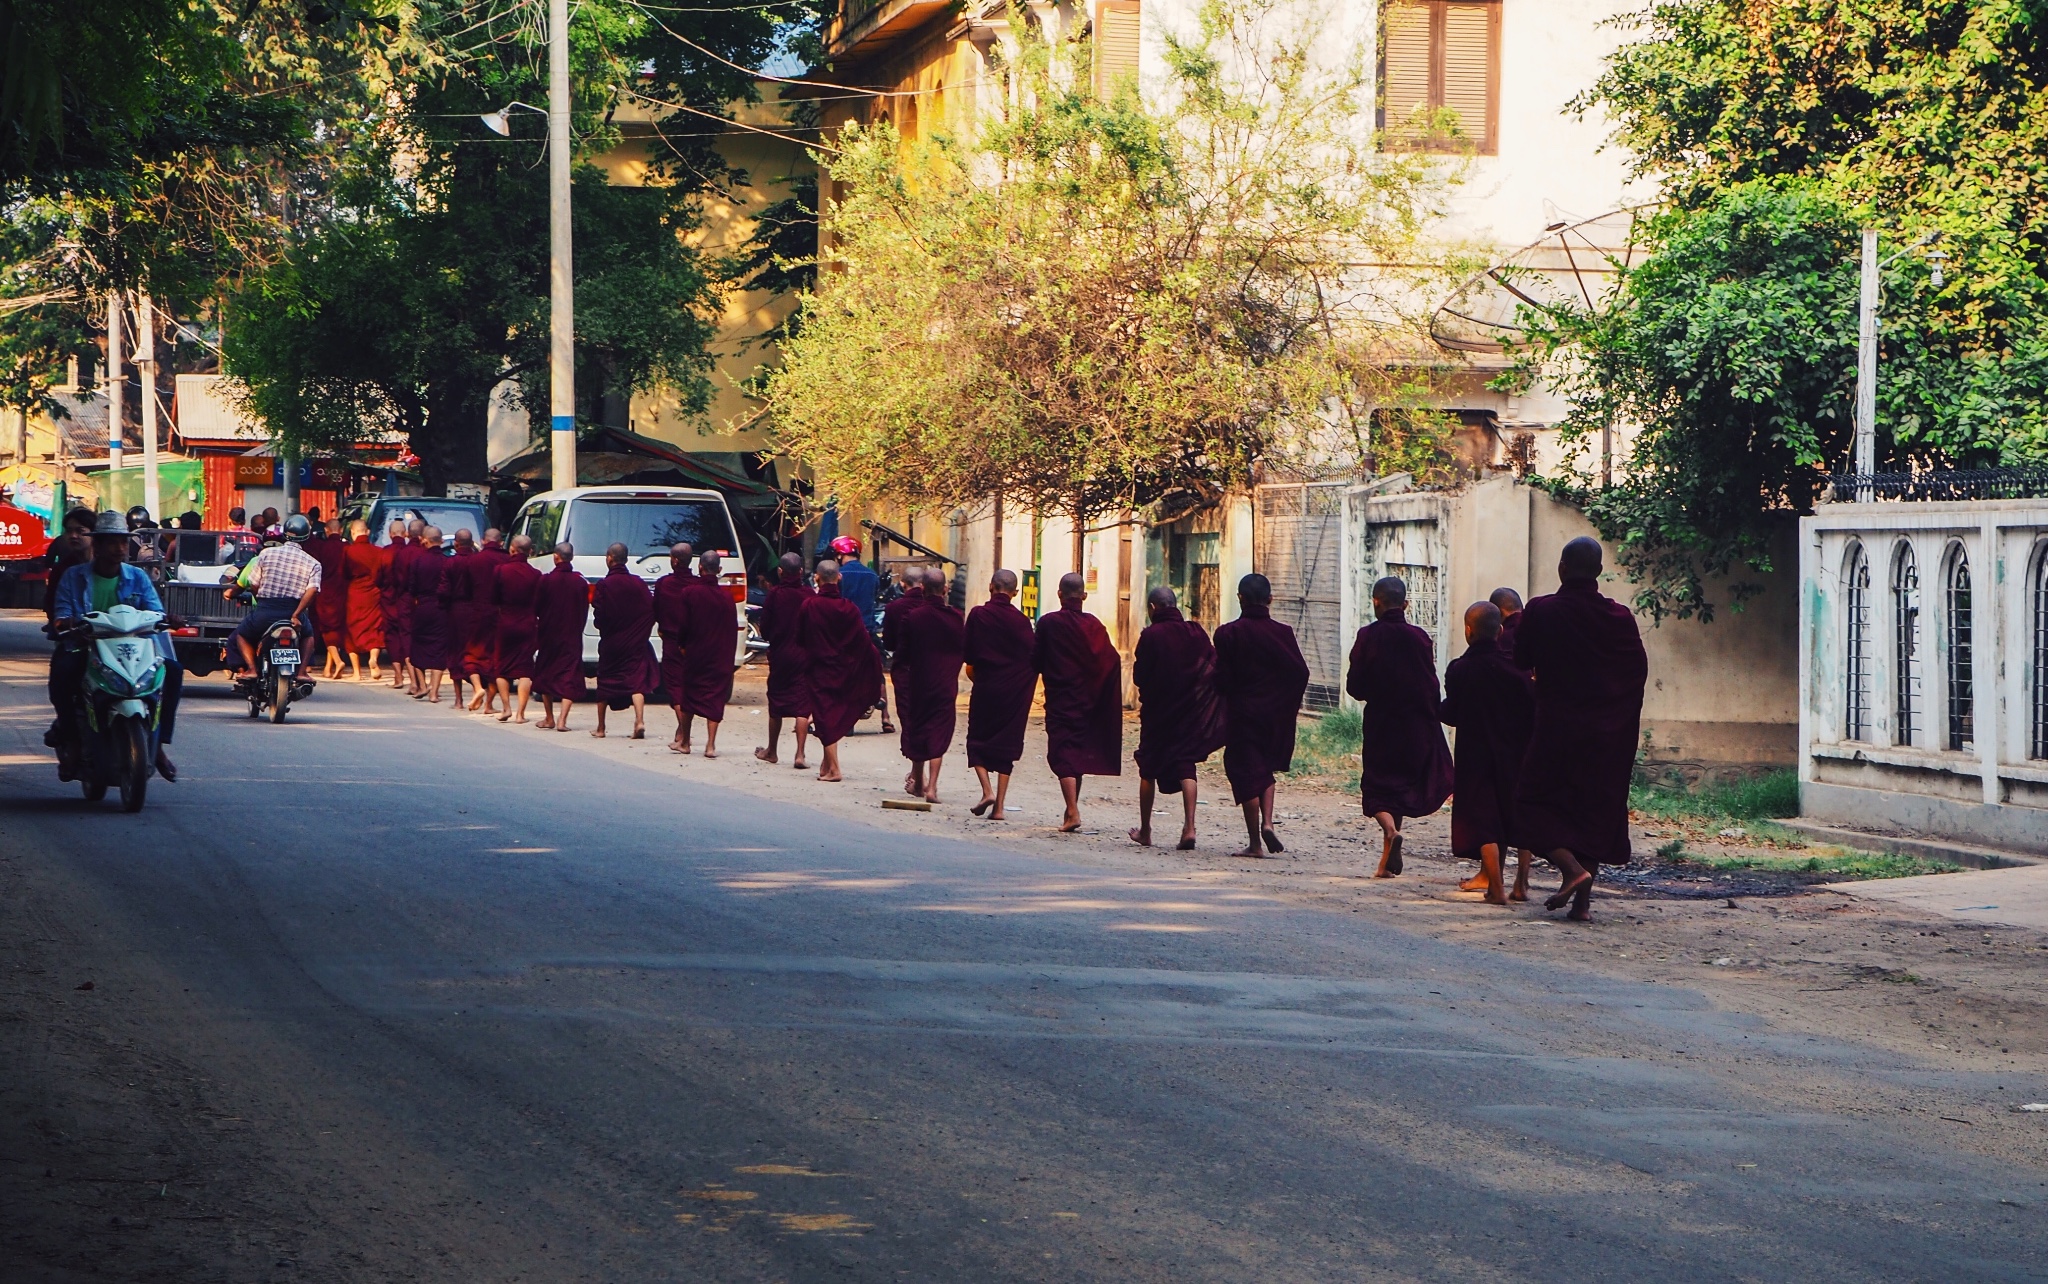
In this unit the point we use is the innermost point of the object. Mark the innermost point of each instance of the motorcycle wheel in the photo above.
(280, 697)
(94, 790)
(134, 765)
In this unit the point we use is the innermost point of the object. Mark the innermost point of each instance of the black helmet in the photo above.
(297, 528)
(138, 518)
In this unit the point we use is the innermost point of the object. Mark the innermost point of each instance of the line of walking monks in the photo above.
(1547, 698)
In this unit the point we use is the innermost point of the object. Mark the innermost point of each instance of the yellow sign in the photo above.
(1027, 596)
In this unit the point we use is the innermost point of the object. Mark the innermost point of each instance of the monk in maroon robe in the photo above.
(1180, 720)
(514, 587)
(789, 692)
(912, 585)
(1571, 803)
(998, 653)
(360, 564)
(668, 626)
(1405, 767)
(622, 607)
(1084, 707)
(330, 604)
(480, 644)
(460, 588)
(931, 639)
(394, 589)
(1260, 677)
(707, 633)
(1509, 604)
(845, 671)
(561, 607)
(433, 633)
(1493, 705)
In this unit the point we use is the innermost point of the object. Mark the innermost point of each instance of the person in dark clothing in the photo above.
(1261, 678)
(1084, 714)
(1180, 721)
(788, 668)
(998, 657)
(931, 639)
(1404, 764)
(1493, 705)
(1509, 604)
(1571, 802)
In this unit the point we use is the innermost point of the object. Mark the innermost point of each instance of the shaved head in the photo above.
(431, 535)
(1506, 599)
(1390, 593)
(792, 562)
(681, 550)
(1073, 585)
(828, 572)
(398, 530)
(1161, 598)
(1004, 582)
(564, 551)
(1482, 622)
(522, 544)
(358, 529)
(1255, 590)
(935, 581)
(1580, 560)
(707, 566)
(412, 528)
(617, 554)
(463, 539)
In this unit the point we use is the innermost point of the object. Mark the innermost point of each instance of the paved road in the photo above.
(542, 1016)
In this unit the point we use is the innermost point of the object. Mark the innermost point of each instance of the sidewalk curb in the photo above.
(1928, 848)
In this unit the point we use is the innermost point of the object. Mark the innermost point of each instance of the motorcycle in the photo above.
(279, 662)
(113, 738)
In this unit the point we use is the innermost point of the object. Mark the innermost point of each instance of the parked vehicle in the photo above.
(279, 680)
(113, 737)
(199, 564)
(648, 520)
(450, 515)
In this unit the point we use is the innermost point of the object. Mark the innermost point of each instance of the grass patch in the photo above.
(1326, 749)
(1758, 798)
(1839, 863)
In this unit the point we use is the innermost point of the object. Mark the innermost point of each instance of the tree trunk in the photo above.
(454, 445)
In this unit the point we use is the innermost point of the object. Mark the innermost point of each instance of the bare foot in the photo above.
(505, 716)
(1496, 898)
(911, 787)
(433, 699)
(562, 726)
(521, 719)
(1476, 883)
(1070, 825)
(639, 733)
(1142, 837)
(764, 756)
(681, 748)
(997, 814)
(1251, 853)
(987, 801)
(545, 724)
(1580, 916)
(830, 780)
(1519, 894)
(1569, 890)
(597, 733)
(799, 765)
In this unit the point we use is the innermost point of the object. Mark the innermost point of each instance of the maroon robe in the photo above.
(1180, 720)
(394, 585)
(515, 587)
(1261, 678)
(668, 623)
(1510, 628)
(789, 694)
(1084, 713)
(432, 631)
(1406, 766)
(1587, 655)
(999, 646)
(845, 672)
(362, 563)
(1493, 705)
(459, 587)
(892, 630)
(707, 633)
(623, 609)
(561, 607)
(931, 640)
(330, 604)
(480, 643)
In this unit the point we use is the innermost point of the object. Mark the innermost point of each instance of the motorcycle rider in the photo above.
(104, 582)
(285, 579)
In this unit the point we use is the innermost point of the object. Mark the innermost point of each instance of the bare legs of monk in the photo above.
(992, 799)
(924, 779)
(430, 685)
(1577, 888)
(639, 718)
(828, 766)
(486, 694)
(1142, 835)
(681, 741)
(1390, 844)
(1070, 792)
(1258, 826)
(710, 736)
(548, 720)
(1520, 891)
(803, 731)
(505, 693)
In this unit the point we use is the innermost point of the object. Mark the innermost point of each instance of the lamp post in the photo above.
(1866, 349)
(561, 273)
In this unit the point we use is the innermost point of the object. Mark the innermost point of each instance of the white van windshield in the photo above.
(449, 518)
(646, 526)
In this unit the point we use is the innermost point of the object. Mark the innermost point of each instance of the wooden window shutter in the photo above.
(1116, 44)
(1404, 71)
(1471, 76)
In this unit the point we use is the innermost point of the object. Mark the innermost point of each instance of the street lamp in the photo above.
(561, 272)
(1866, 349)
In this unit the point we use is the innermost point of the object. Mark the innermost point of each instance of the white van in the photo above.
(647, 520)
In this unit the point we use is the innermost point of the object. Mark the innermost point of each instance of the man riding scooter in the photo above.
(285, 580)
(104, 582)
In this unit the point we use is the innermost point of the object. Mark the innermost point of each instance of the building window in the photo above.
(1905, 647)
(1856, 657)
(1116, 45)
(1961, 690)
(1441, 56)
(2040, 736)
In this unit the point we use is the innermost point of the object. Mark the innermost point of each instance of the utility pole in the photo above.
(561, 275)
(115, 411)
(1866, 366)
(145, 366)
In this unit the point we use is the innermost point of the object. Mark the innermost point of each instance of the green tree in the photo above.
(1777, 131)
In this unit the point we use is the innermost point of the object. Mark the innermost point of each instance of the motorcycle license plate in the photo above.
(283, 656)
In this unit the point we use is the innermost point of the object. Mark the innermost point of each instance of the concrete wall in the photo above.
(1984, 781)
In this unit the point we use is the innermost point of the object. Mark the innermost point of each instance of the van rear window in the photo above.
(647, 527)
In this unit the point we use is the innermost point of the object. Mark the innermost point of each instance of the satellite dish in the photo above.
(1575, 264)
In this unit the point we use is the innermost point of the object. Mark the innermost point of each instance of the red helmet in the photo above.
(846, 546)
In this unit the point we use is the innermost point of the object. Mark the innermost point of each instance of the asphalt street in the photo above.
(541, 1015)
